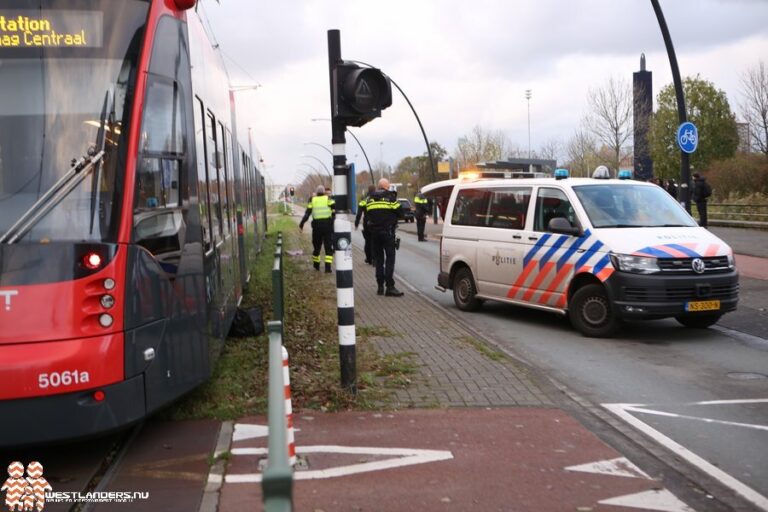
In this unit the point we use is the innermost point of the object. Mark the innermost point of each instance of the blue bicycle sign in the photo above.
(687, 137)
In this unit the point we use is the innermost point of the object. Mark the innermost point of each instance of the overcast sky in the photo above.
(464, 63)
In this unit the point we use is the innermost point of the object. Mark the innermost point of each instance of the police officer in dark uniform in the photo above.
(366, 233)
(423, 210)
(701, 192)
(382, 211)
(322, 209)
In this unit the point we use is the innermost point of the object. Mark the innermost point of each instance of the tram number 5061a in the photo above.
(65, 378)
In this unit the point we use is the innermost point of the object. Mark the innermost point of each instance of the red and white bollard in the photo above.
(288, 411)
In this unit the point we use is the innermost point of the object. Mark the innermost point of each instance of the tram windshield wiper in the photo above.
(107, 122)
(80, 170)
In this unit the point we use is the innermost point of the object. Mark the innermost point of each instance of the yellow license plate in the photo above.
(702, 305)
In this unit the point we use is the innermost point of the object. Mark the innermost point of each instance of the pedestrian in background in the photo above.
(323, 212)
(671, 187)
(423, 209)
(382, 211)
(700, 196)
(366, 232)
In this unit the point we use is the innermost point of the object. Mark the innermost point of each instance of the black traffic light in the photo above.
(359, 94)
(292, 191)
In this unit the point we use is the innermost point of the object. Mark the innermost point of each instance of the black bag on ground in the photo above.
(247, 322)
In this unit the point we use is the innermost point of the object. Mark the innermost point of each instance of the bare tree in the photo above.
(754, 88)
(582, 152)
(481, 145)
(551, 149)
(610, 117)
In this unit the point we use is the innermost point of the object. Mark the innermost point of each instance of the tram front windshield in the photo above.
(67, 72)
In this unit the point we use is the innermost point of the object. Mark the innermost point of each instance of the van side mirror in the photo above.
(563, 226)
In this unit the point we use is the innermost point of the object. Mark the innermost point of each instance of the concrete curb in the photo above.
(210, 501)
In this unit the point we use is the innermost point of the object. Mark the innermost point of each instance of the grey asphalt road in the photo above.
(706, 389)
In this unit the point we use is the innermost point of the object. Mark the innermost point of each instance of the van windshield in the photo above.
(631, 206)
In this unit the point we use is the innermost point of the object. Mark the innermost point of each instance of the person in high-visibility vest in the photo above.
(366, 232)
(323, 211)
(423, 209)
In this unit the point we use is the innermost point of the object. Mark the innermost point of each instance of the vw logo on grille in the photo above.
(698, 265)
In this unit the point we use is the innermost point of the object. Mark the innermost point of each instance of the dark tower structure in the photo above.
(642, 82)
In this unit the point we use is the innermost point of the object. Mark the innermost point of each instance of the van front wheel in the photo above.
(591, 313)
(465, 291)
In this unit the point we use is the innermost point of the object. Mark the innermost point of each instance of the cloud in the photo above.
(466, 63)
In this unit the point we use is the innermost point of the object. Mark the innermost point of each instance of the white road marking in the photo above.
(697, 418)
(735, 402)
(650, 500)
(621, 410)
(249, 431)
(403, 457)
(620, 466)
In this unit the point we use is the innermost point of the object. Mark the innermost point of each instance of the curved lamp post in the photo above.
(423, 133)
(321, 163)
(370, 169)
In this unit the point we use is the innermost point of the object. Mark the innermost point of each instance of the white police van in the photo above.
(599, 250)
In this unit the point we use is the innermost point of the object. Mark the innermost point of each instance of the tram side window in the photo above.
(202, 177)
(162, 146)
(225, 172)
(216, 189)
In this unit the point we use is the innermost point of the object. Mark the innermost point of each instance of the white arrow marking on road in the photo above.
(621, 410)
(249, 431)
(404, 457)
(650, 500)
(620, 466)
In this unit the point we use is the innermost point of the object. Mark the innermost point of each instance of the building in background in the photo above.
(642, 95)
(745, 139)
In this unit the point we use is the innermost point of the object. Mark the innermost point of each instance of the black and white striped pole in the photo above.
(342, 231)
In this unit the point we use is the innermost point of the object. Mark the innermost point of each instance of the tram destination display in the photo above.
(50, 29)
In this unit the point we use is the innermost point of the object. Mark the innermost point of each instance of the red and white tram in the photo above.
(129, 212)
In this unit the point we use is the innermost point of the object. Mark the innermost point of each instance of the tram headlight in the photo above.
(105, 320)
(109, 283)
(107, 301)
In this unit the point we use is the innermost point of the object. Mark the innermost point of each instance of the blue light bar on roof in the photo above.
(625, 174)
(561, 174)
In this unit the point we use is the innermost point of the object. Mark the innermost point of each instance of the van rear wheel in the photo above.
(591, 312)
(698, 321)
(465, 291)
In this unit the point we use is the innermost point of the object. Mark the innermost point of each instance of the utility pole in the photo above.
(528, 97)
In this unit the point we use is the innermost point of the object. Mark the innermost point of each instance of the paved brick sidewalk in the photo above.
(452, 371)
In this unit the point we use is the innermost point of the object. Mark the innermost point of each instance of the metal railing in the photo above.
(278, 294)
(739, 215)
(277, 480)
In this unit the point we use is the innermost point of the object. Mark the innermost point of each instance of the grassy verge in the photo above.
(239, 384)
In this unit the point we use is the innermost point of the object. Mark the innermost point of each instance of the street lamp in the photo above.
(370, 169)
(528, 97)
(321, 163)
(319, 145)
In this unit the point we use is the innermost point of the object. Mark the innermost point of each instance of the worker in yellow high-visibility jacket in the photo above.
(323, 211)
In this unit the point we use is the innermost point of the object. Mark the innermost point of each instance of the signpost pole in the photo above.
(685, 166)
(342, 230)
